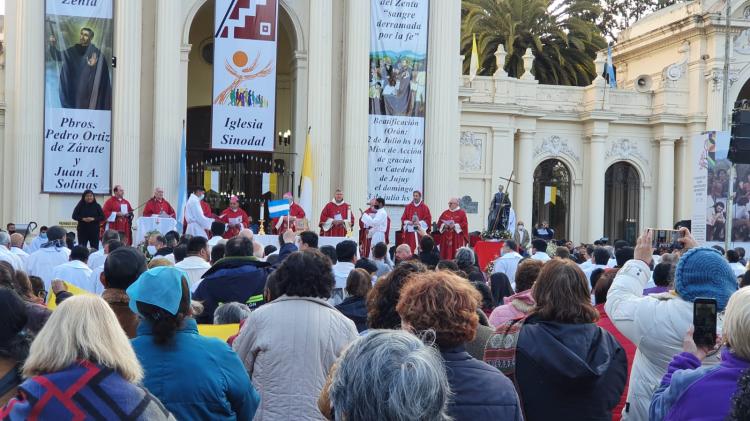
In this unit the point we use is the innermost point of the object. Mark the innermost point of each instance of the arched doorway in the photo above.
(552, 196)
(622, 202)
(245, 174)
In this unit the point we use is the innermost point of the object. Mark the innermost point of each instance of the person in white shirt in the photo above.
(16, 247)
(346, 257)
(734, 262)
(37, 242)
(42, 262)
(508, 261)
(217, 233)
(539, 250)
(586, 252)
(5, 253)
(598, 261)
(98, 257)
(76, 272)
(96, 272)
(197, 222)
(196, 262)
(377, 224)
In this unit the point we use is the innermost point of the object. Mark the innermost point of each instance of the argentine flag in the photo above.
(277, 208)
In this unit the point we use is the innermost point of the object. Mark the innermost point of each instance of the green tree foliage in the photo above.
(562, 34)
(619, 14)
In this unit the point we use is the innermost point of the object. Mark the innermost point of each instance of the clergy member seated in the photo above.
(42, 262)
(158, 206)
(296, 213)
(76, 272)
(454, 230)
(196, 262)
(337, 217)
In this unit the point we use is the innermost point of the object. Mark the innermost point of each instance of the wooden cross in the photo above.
(505, 192)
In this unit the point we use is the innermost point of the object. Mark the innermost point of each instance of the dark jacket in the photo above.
(569, 371)
(88, 210)
(429, 258)
(480, 392)
(355, 309)
(240, 279)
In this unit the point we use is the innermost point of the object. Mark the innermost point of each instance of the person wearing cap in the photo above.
(235, 218)
(657, 324)
(283, 223)
(195, 377)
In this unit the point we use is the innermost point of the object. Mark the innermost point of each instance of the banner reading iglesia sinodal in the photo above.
(78, 96)
(244, 85)
(398, 74)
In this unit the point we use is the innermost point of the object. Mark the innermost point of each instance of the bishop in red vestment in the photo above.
(415, 222)
(454, 230)
(157, 205)
(284, 223)
(335, 216)
(235, 218)
(118, 213)
(365, 242)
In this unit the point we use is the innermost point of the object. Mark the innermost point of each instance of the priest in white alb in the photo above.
(197, 222)
(376, 224)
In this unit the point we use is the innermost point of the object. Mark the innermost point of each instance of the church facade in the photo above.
(592, 161)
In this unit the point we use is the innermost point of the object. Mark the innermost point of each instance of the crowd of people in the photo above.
(547, 332)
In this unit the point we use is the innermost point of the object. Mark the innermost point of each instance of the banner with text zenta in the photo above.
(398, 74)
(244, 85)
(77, 96)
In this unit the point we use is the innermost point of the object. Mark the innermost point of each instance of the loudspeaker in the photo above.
(739, 143)
(643, 83)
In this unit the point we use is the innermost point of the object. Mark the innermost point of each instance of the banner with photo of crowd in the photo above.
(244, 79)
(711, 181)
(398, 75)
(77, 96)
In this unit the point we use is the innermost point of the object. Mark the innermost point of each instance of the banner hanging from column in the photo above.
(398, 74)
(711, 179)
(77, 96)
(244, 85)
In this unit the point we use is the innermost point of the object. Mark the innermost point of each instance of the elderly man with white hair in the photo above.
(454, 229)
(158, 205)
(16, 247)
(6, 255)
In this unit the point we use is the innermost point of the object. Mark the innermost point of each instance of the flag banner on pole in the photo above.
(78, 40)
(474, 63)
(611, 68)
(182, 194)
(550, 195)
(398, 74)
(265, 183)
(273, 182)
(244, 80)
(306, 178)
(211, 180)
(277, 208)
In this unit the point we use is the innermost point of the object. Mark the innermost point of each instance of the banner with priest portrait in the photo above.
(397, 98)
(244, 80)
(78, 96)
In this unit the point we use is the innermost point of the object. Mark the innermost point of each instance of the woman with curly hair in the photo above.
(382, 299)
(443, 305)
(289, 344)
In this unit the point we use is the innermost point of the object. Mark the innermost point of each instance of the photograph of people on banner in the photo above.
(78, 96)
(244, 80)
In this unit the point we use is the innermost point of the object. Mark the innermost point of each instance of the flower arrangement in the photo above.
(496, 235)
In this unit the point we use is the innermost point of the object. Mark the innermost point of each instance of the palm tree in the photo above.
(564, 38)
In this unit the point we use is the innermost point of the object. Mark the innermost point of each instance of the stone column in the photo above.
(319, 111)
(23, 142)
(442, 114)
(595, 179)
(524, 197)
(168, 88)
(356, 53)
(126, 95)
(665, 204)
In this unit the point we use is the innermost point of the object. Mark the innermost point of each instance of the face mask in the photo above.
(43, 236)
(520, 226)
(151, 250)
(200, 197)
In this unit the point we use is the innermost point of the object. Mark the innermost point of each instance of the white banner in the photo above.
(78, 96)
(244, 85)
(398, 74)
(711, 182)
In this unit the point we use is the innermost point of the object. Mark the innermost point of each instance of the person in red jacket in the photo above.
(158, 206)
(600, 295)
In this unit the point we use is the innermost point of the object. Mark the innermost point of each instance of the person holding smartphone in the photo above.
(657, 325)
(689, 390)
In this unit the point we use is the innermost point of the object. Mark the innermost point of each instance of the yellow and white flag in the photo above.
(550, 194)
(306, 179)
(474, 62)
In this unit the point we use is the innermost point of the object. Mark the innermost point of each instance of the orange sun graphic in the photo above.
(239, 58)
